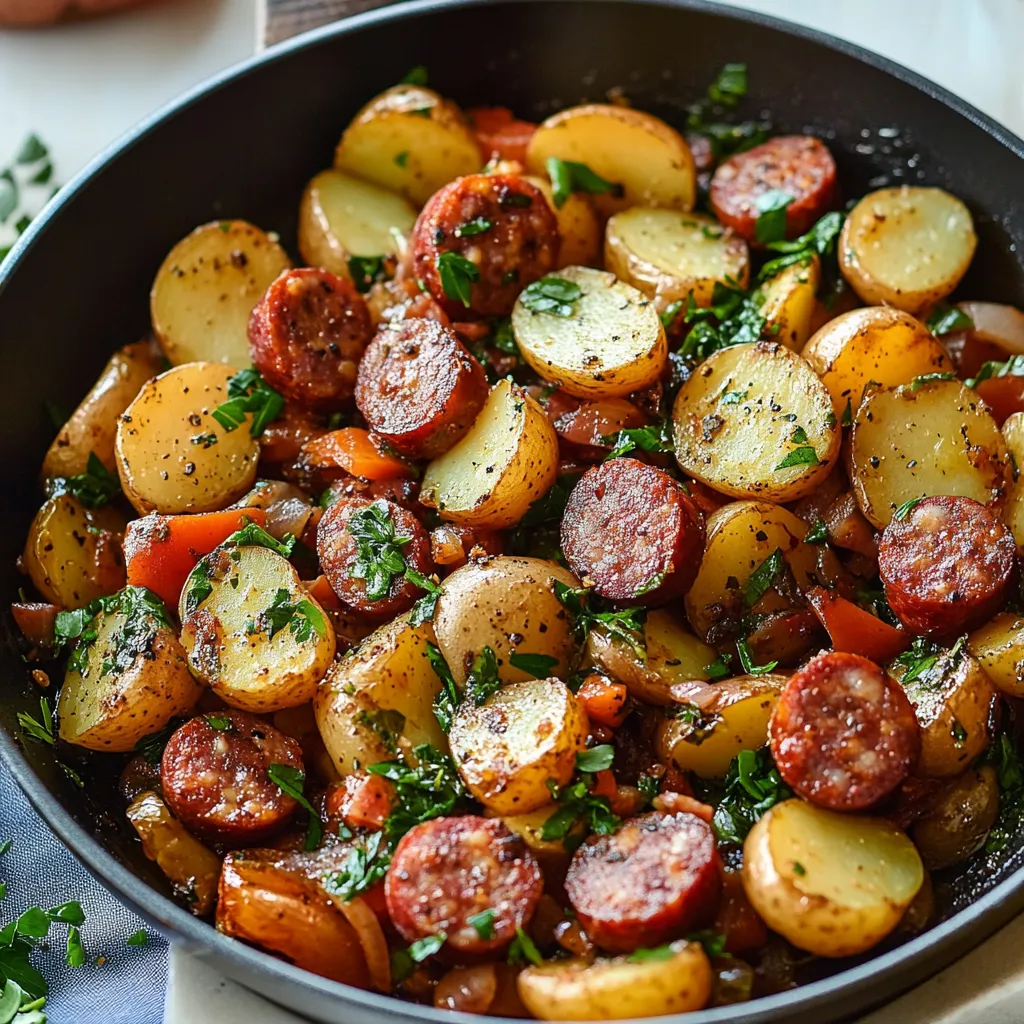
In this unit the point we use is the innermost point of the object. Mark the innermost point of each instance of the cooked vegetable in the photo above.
(1013, 511)
(955, 828)
(999, 648)
(787, 304)
(578, 226)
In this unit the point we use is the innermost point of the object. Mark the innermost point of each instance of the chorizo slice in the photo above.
(214, 777)
(338, 543)
(634, 531)
(447, 871)
(799, 165)
(306, 336)
(419, 388)
(947, 565)
(502, 225)
(656, 878)
(843, 734)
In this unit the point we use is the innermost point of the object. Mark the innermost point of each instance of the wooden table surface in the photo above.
(285, 18)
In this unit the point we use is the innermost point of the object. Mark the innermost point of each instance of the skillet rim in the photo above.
(942, 944)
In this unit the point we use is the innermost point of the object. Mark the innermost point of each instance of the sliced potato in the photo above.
(649, 160)
(506, 462)
(578, 226)
(524, 737)
(832, 884)
(128, 682)
(754, 421)
(876, 343)
(172, 455)
(409, 140)
(958, 825)
(999, 648)
(921, 439)
(670, 256)
(906, 247)
(92, 428)
(530, 827)
(508, 604)
(788, 304)
(253, 633)
(206, 288)
(611, 344)
(1013, 511)
(341, 216)
(621, 988)
(73, 553)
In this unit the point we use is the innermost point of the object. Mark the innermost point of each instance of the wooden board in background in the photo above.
(281, 19)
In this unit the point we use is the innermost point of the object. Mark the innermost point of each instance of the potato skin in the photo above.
(999, 649)
(957, 827)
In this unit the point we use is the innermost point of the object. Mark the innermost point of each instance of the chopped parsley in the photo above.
(483, 923)
(734, 317)
(249, 393)
(919, 659)
(302, 618)
(415, 76)
(1013, 367)
(404, 961)
(291, 781)
(23, 990)
(447, 701)
(401, 159)
(752, 786)
(139, 938)
(367, 270)
(596, 759)
(804, 455)
(764, 577)
(1011, 793)
(476, 226)
(747, 660)
(945, 319)
(817, 534)
(906, 508)
(220, 723)
(41, 730)
(819, 241)
(927, 378)
(770, 225)
(386, 723)
(482, 681)
(656, 437)
(96, 487)
(253, 535)
(724, 95)
(537, 665)
(719, 668)
(578, 804)
(551, 294)
(625, 624)
(523, 950)
(458, 275)
(568, 176)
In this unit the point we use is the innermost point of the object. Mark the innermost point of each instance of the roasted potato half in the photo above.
(409, 140)
(832, 884)
(172, 455)
(950, 832)
(925, 438)
(524, 737)
(754, 421)
(505, 462)
(1013, 511)
(906, 247)
(578, 226)
(649, 162)
(787, 304)
(206, 288)
(605, 343)
(999, 649)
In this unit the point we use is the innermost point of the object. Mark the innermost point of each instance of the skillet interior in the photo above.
(247, 145)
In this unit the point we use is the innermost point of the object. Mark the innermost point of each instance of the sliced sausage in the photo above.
(338, 549)
(419, 388)
(499, 222)
(447, 870)
(306, 336)
(633, 530)
(843, 733)
(214, 777)
(656, 878)
(799, 165)
(947, 565)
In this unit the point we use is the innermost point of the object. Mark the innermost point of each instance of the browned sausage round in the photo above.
(947, 565)
(502, 224)
(214, 777)
(419, 388)
(449, 870)
(306, 336)
(633, 530)
(843, 733)
(799, 165)
(338, 549)
(656, 878)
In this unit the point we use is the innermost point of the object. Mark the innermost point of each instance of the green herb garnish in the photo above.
(551, 294)
(458, 275)
(568, 176)
(291, 781)
(249, 394)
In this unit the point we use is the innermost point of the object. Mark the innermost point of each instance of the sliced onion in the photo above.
(364, 921)
(288, 516)
(996, 323)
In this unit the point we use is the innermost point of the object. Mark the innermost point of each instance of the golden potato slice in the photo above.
(649, 160)
(128, 682)
(252, 632)
(611, 343)
(206, 288)
(1013, 510)
(670, 256)
(832, 884)
(906, 247)
(925, 438)
(876, 344)
(172, 455)
(530, 826)
(92, 427)
(788, 304)
(508, 604)
(409, 140)
(619, 989)
(508, 749)
(341, 216)
(506, 462)
(999, 648)
(950, 832)
(754, 421)
(578, 226)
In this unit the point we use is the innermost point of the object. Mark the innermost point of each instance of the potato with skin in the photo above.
(1013, 511)
(832, 884)
(958, 825)
(530, 826)
(252, 632)
(649, 161)
(505, 462)
(787, 304)
(610, 344)
(998, 647)
(206, 288)
(620, 988)
(907, 246)
(508, 604)
(92, 428)
(754, 421)
(578, 226)
(922, 439)
(172, 455)
(409, 140)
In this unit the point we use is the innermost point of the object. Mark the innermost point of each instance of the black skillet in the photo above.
(245, 144)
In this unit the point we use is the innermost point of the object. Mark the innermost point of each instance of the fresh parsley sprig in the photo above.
(945, 319)
(94, 488)
(568, 176)
(302, 618)
(723, 96)
(552, 294)
(579, 806)
(291, 781)
(249, 394)
(30, 171)
(752, 786)
(819, 241)
(458, 275)
(656, 437)
(625, 624)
